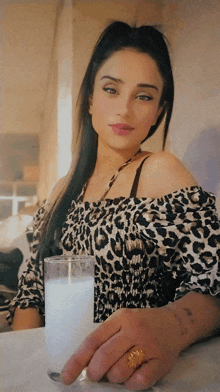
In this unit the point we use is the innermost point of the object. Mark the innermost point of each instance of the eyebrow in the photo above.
(121, 81)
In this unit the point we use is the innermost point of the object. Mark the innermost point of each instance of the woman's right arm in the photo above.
(27, 308)
(27, 318)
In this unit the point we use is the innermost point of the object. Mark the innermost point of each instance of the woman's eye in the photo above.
(110, 90)
(143, 97)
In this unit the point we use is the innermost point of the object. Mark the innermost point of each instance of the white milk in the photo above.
(69, 317)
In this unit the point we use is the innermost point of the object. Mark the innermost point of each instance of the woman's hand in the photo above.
(105, 351)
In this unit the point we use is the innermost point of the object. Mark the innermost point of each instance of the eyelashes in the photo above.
(110, 90)
(141, 97)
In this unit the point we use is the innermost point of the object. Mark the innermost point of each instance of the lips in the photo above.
(121, 128)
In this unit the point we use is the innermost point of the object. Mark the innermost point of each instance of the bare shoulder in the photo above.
(167, 162)
(163, 173)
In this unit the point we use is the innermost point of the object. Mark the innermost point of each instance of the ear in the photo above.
(90, 104)
(159, 111)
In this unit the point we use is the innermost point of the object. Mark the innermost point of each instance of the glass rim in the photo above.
(69, 259)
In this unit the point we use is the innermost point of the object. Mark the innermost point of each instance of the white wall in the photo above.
(64, 101)
(26, 40)
(56, 135)
(195, 128)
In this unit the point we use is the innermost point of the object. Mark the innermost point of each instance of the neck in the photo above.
(109, 160)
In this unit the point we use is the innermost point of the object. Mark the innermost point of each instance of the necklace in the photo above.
(113, 178)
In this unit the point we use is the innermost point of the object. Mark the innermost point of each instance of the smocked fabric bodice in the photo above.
(148, 251)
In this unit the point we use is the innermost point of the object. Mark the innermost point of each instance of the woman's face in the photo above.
(125, 100)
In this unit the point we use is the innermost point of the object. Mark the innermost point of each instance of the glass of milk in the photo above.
(69, 307)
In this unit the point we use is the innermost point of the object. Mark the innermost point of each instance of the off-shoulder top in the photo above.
(148, 252)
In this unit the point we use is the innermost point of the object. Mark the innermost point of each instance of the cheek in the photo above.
(146, 119)
(99, 106)
(149, 116)
(99, 114)
(105, 110)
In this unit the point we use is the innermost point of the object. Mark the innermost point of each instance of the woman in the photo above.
(153, 231)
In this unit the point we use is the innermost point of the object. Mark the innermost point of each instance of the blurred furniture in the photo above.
(10, 262)
(14, 250)
(15, 195)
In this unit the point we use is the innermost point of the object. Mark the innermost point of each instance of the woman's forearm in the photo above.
(27, 319)
(197, 316)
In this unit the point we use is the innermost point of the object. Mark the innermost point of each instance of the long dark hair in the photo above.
(118, 35)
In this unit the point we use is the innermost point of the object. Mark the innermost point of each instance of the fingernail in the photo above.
(65, 378)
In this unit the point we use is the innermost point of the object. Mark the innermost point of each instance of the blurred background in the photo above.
(44, 49)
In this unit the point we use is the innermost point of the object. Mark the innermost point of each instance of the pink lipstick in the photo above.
(121, 129)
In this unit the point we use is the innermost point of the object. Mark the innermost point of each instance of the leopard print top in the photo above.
(148, 251)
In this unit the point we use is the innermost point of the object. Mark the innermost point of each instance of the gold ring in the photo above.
(135, 357)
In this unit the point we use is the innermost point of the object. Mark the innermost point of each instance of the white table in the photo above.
(24, 365)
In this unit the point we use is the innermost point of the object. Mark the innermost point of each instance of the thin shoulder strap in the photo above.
(136, 179)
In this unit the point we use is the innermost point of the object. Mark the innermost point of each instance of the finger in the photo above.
(149, 373)
(82, 356)
(124, 368)
(107, 355)
(120, 371)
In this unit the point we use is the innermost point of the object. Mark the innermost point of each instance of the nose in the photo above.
(123, 107)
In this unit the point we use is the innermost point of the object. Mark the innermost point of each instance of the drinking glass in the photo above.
(69, 308)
